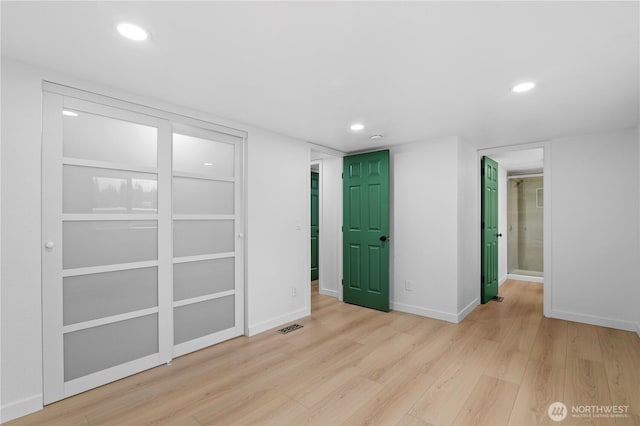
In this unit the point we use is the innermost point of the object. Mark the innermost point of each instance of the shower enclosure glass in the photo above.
(525, 225)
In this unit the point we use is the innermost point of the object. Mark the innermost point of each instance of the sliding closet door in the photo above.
(101, 270)
(207, 267)
(142, 239)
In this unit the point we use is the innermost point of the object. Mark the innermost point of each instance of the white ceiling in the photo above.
(520, 160)
(410, 70)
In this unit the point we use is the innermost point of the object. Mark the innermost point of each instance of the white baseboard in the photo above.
(525, 278)
(278, 321)
(594, 320)
(20, 408)
(430, 313)
(467, 309)
(502, 280)
(327, 292)
(638, 329)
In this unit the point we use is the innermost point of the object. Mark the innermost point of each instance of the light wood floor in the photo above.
(504, 364)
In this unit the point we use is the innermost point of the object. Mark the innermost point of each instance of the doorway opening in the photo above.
(523, 206)
(314, 231)
(327, 163)
(525, 224)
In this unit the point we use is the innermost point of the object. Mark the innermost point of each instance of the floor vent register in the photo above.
(289, 328)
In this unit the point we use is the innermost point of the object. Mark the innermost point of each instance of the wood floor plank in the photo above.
(340, 405)
(541, 385)
(523, 334)
(391, 404)
(279, 410)
(382, 360)
(496, 330)
(409, 420)
(550, 345)
(490, 403)
(583, 342)
(508, 365)
(621, 363)
(586, 384)
(444, 399)
(310, 392)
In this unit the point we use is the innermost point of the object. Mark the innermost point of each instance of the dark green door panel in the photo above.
(366, 230)
(489, 231)
(315, 230)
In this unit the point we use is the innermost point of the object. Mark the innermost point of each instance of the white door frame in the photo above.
(325, 251)
(320, 220)
(547, 274)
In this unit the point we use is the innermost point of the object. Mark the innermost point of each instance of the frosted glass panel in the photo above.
(193, 279)
(194, 237)
(198, 196)
(202, 156)
(94, 349)
(94, 137)
(202, 319)
(94, 243)
(94, 190)
(88, 297)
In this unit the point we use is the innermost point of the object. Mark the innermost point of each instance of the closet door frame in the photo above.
(55, 98)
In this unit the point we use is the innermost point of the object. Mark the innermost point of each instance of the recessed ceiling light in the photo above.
(132, 31)
(208, 164)
(524, 87)
(376, 137)
(357, 126)
(69, 113)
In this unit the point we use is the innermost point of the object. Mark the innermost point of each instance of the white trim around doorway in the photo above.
(547, 233)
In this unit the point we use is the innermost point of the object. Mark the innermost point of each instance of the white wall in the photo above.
(595, 228)
(20, 280)
(468, 230)
(278, 235)
(502, 224)
(278, 173)
(424, 228)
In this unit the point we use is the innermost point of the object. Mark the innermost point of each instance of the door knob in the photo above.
(500, 234)
(49, 245)
(383, 238)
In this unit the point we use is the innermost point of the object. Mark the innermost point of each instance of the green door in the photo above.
(489, 226)
(366, 230)
(315, 231)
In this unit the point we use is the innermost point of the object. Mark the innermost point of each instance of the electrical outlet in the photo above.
(294, 292)
(408, 285)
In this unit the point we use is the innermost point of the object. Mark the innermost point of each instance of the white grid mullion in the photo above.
(82, 217)
(108, 268)
(165, 243)
(203, 177)
(108, 320)
(204, 217)
(69, 161)
(199, 299)
(200, 257)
